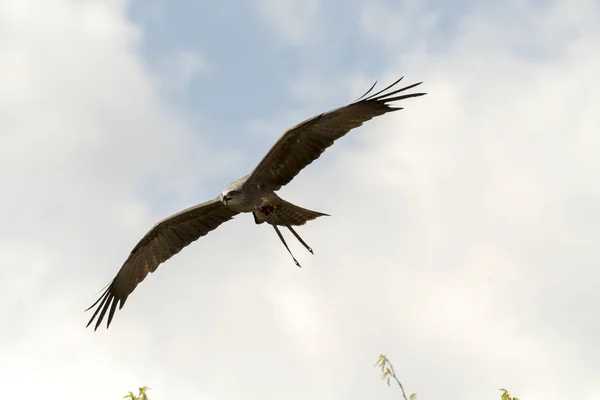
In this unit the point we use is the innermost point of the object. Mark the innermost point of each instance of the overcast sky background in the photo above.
(464, 230)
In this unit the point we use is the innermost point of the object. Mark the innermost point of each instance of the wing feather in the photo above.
(167, 238)
(305, 142)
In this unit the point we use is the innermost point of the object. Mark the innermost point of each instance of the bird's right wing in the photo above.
(304, 143)
(163, 241)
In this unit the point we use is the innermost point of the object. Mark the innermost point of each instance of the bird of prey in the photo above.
(254, 193)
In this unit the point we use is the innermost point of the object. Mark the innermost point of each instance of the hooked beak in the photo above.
(226, 199)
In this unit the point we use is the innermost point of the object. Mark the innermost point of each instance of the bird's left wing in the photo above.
(304, 143)
(163, 241)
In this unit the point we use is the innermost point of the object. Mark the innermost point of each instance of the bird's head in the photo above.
(231, 193)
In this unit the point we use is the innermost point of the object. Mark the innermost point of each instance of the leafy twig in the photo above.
(141, 395)
(506, 395)
(387, 372)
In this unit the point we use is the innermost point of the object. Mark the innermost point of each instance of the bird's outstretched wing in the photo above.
(163, 241)
(304, 143)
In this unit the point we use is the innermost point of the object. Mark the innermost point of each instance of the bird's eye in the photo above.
(233, 193)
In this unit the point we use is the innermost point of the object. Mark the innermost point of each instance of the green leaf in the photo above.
(143, 395)
(506, 395)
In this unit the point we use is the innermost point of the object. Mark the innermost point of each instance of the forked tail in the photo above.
(287, 214)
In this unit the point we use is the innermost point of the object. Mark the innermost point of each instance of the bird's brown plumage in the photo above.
(285, 213)
(162, 242)
(304, 143)
(295, 149)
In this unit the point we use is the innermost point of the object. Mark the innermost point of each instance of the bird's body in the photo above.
(242, 196)
(254, 193)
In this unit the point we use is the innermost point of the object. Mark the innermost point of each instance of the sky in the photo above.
(462, 241)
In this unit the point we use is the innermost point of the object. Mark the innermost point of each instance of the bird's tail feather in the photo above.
(287, 213)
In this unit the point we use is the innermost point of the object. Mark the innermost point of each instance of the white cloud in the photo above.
(462, 240)
(84, 139)
(465, 204)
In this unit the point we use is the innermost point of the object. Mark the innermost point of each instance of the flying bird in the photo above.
(254, 193)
